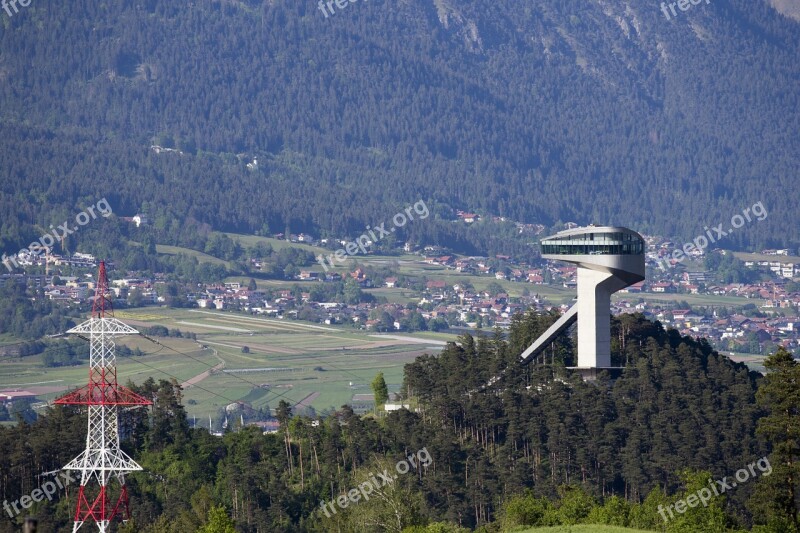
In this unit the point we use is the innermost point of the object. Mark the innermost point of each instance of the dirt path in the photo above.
(200, 377)
(306, 402)
(209, 326)
(415, 340)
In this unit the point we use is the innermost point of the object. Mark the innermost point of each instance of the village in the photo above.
(753, 311)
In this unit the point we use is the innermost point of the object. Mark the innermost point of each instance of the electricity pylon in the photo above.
(102, 462)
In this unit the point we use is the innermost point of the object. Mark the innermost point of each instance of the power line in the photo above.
(162, 346)
(239, 377)
(211, 368)
(267, 400)
(179, 379)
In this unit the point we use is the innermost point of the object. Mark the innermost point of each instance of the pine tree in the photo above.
(218, 522)
(780, 394)
(380, 390)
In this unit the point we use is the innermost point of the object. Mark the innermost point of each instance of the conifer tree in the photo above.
(380, 390)
(779, 393)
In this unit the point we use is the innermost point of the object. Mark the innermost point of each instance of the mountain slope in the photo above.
(540, 111)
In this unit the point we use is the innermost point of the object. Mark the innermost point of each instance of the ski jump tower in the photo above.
(609, 259)
(102, 461)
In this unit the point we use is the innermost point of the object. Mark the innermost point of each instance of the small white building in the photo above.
(395, 406)
(140, 220)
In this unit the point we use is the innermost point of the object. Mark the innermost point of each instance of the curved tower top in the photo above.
(611, 249)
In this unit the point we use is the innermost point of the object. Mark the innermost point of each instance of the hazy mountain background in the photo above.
(541, 111)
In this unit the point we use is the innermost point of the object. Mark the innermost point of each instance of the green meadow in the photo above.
(302, 363)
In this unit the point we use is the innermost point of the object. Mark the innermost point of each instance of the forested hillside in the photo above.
(541, 111)
(539, 447)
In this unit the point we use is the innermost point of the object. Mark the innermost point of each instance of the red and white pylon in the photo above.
(102, 461)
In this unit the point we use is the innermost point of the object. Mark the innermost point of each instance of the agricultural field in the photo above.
(48, 383)
(753, 361)
(306, 364)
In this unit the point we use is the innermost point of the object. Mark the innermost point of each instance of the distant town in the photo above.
(749, 306)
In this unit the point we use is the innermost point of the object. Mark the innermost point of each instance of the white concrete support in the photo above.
(594, 317)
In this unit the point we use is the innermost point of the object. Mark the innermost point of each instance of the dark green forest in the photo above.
(538, 447)
(540, 111)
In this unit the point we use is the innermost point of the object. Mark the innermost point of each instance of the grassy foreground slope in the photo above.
(582, 528)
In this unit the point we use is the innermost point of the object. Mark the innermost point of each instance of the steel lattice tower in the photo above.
(103, 460)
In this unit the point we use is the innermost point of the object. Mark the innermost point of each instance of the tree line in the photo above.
(539, 446)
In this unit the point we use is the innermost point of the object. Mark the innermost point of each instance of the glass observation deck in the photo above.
(594, 244)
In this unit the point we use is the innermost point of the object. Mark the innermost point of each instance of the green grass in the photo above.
(7, 338)
(761, 257)
(692, 299)
(251, 240)
(428, 335)
(201, 257)
(582, 528)
(753, 361)
(401, 296)
(271, 283)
